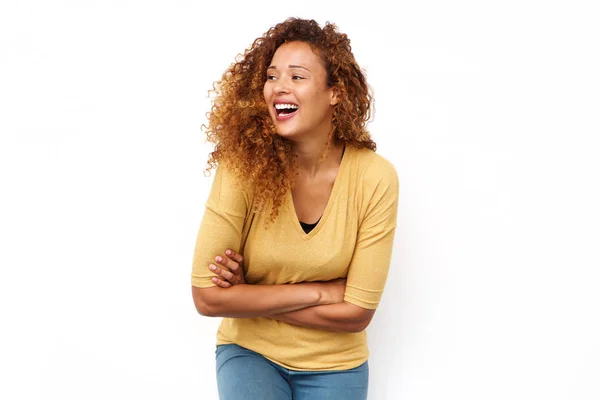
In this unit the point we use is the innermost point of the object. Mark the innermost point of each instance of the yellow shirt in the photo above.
(352, 240)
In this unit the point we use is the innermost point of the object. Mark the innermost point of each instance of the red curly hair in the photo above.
(239, 123)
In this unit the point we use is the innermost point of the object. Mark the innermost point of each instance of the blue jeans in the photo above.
(243, 374)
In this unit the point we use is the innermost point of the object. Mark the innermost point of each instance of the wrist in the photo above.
(324, 294)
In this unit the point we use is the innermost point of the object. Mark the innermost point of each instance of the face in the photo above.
(296, 92)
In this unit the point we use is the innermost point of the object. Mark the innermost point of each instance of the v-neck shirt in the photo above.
(353, 239)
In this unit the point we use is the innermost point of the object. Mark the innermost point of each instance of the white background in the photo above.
(489, 111)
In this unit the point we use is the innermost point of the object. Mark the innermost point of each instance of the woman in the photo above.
(296, 239)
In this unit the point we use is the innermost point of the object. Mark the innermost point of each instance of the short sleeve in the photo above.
(370, 262)
(221, 226)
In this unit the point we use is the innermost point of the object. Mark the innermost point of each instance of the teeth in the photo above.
(285, 106)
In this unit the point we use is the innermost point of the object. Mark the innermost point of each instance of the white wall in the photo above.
(489, 110)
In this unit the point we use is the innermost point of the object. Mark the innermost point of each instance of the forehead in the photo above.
(295, 53)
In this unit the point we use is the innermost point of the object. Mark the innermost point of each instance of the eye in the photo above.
(297, 77)
(271, 77)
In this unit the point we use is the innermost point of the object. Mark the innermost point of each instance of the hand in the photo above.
(233, 275)
(333, 291)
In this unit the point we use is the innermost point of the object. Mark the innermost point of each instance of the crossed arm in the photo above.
(317, 305)
(344, 317)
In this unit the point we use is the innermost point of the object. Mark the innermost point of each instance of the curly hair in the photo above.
(241, 128)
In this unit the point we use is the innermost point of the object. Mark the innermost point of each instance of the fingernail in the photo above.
(218, 259)
(212, 267)
(228, 252)
(214, 280)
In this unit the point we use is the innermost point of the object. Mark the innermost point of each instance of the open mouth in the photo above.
(285, 109)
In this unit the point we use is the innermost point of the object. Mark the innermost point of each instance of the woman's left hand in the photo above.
(235, 273)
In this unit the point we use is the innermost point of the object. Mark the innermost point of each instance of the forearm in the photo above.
(247, 301)
(342, 317)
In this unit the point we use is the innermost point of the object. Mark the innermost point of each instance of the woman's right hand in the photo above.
(332, 292)
(235, 273)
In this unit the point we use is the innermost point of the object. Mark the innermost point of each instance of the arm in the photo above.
(342, 317)
(247, 301)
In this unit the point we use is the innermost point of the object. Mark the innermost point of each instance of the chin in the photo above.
(287, 135)
(287, 132)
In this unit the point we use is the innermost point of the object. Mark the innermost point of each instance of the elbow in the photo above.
(358, 326)
(361, 321)
(205, 310)
(202, 303)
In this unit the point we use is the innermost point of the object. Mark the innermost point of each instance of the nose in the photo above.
(281, 86)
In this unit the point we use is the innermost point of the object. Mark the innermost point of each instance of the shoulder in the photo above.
(225, 176)
(376, 189)
(228, 193)
(374, 169)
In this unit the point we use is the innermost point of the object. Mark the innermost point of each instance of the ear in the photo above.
(335, 95)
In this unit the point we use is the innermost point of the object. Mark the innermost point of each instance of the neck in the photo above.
(310, 156)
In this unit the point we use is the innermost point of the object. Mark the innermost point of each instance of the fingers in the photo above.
(221, 272)
(226, 262)
(234, 256)
(221, 283)
(228, 269)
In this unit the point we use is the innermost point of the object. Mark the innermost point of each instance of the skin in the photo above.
(296, 75)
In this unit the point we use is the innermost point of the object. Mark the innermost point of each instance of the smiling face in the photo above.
(296, 92)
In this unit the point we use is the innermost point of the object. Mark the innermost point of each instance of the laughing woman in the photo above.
(296, 239)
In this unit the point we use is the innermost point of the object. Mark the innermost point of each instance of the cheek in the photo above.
(318, 100)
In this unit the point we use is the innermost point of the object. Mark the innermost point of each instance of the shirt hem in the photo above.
(343, 367)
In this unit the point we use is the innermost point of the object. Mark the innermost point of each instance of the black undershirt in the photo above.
(308, 227)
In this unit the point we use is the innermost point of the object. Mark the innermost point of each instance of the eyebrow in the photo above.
(290, 66)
